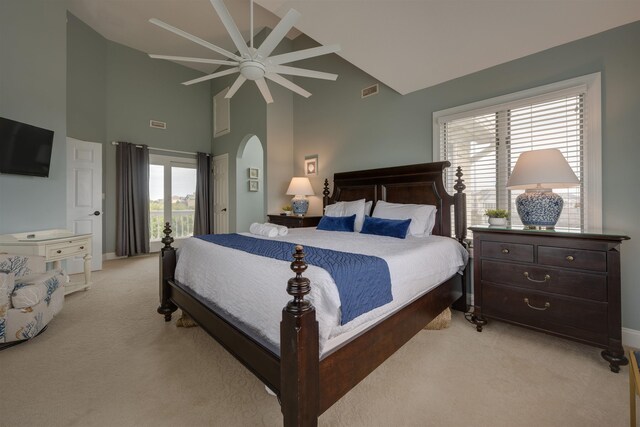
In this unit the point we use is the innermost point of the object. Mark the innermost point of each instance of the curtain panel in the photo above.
(203, 221)
(132, 187)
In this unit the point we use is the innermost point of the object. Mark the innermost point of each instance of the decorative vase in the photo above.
(539, 208)
(498, 222)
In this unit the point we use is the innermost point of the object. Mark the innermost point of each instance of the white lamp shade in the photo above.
(300, 186)
(545, 168)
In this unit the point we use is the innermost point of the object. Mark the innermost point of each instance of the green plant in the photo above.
(286, 208)
(497, 213)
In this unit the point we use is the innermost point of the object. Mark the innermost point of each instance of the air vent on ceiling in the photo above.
(370, 90)
(157, 124)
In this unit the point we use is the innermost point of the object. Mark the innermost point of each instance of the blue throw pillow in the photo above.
(386, 227)
(337, 223)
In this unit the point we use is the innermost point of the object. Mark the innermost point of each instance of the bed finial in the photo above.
(325, 193)
(459, 186)
(298, 286)
(167, 239)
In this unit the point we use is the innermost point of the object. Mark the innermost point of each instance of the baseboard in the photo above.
(111, 255)
(630, 337)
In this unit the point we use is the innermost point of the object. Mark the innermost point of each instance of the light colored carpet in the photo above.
(109, 360)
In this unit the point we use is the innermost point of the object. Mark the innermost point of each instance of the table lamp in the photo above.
(299, 188)
(538, 172)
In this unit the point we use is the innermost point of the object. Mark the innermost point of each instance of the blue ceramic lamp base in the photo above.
(539, 208)
(300, 206)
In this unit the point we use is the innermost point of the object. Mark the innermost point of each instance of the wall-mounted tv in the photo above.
(24, 149)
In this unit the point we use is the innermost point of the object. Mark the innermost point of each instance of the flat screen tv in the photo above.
(24, 149)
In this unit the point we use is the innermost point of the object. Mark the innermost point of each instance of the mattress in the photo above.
(250, 290)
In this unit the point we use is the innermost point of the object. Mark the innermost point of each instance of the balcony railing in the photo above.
(181, 224)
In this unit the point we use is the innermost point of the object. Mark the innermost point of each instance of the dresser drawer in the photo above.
(565, 315)
(572, 258)
(553, 280)
(507, 251)
(67, 249)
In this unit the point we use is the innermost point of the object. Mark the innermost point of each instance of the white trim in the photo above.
(593, 139)
(630, 337)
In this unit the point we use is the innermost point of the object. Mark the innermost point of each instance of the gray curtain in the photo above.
(132, 192)
(203, 221)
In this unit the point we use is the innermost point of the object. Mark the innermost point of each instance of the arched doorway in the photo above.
(250, 179)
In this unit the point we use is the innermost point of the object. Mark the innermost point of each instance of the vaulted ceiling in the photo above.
(406, 44)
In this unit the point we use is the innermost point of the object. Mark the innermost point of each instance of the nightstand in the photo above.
(559, 282)
(294, 221)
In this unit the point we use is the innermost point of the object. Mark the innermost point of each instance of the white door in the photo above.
(84, 198)
(221, 194)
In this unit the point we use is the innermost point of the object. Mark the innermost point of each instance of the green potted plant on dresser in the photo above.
(497, 217)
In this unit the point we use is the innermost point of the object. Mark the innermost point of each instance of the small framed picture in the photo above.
(311, 166)
(253, 185)
(254, 173)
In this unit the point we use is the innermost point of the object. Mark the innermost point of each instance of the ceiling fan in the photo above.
(253, 64)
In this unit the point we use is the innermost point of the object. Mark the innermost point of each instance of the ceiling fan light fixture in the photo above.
(252, 70)
(253, 64)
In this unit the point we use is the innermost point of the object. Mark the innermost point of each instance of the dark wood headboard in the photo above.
(421, 184)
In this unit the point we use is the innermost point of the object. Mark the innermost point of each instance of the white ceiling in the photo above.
(406, 44)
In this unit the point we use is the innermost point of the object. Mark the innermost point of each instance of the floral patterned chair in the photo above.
(29, 297)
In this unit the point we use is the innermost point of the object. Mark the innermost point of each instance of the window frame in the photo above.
(592, 148)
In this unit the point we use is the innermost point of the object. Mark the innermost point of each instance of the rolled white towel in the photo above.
(262, 230)
(282, 230)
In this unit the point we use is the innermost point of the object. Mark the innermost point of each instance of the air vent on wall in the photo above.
(370, 90)
(157, 124)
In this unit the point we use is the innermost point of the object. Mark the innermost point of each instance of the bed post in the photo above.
(460, 208)
(299, 352)
(325, 194)
(167, 270)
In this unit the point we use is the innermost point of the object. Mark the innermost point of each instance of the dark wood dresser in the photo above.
(562, 283)
(294, 221)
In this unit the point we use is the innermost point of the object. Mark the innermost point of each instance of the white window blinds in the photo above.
(487, 141)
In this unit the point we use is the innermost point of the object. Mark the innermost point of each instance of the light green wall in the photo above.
(349, 133)
(114, 91)
(33, 90)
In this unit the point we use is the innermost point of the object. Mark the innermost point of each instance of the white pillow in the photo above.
(367, 208)
(431, 222)
(335, 209)
(356, 208)
(419, 215)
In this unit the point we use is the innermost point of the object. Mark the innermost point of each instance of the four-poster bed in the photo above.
(306, 384)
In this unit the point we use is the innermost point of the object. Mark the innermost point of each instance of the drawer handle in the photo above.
(81, 247)
(569, 258)
(546, 305)
(546, 277)
(505, 251)
(59, 251)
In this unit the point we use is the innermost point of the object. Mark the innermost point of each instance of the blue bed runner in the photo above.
(363, 281)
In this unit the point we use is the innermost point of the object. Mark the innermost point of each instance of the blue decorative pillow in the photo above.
(337, 223)
(386, 227)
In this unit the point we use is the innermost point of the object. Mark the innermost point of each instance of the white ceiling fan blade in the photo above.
(288, 84)
(278, 33)
(189, 59)
(264, 90)
(303, 54)
(212, 76)
(194, 39)
(294, 71)
(231, 26)
(235, 86)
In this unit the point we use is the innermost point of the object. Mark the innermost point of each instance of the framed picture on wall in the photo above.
(311, 166)
(253, 185)
(254, 173)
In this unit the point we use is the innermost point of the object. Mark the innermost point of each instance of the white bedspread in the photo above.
(252, 289)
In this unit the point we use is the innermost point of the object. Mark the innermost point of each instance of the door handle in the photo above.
(224, 210)
(96, 213)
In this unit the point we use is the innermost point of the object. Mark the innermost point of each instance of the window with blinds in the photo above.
(487, 141)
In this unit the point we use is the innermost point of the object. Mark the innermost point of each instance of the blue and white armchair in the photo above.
(29, 296)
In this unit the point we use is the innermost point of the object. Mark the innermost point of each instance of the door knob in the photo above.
(96, 213)
(224, 210)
